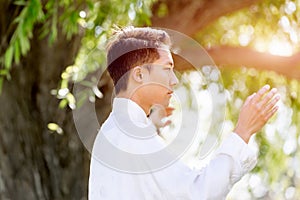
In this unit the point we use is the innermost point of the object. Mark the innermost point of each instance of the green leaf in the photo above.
(71, 101)
(162, 10)
(44, 31)
(55, 127)
(63, 103)
(52, 126)
(90, 5)
(24, 44)
(64, 83)
(3, 72)
(20, 3)
(49, 5)
(53, 34)
(8, 57)
(17, 52)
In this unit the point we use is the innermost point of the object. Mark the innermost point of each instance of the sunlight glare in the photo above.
(82, 14)
(294, 36)
(285, 23)
(280, 48)
(244, 39)
(290, 8)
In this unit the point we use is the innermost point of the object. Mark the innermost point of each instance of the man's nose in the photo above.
(174, 80)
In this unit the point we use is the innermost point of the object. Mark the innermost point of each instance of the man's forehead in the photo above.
(165, 57)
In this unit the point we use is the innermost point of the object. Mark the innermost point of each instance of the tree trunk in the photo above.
(35, 163)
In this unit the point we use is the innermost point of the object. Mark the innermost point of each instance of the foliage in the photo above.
(98, 21)
(258, 27)
(93, 18)
(269, 26)
(278, 142)
(20, 41)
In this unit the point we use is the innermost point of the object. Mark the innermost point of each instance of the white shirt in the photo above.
(131, 162)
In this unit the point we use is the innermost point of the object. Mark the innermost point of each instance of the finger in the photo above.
(249, 98)
(260, 93)
(271, 104)
(169, 111)
(271, 113)
(167, 123)
(160, 123)
(268, 97)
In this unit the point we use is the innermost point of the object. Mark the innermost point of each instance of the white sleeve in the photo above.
(233, 159)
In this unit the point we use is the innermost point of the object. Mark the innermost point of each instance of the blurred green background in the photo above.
(47, 46)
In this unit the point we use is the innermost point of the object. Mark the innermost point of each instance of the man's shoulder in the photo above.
(108, 124)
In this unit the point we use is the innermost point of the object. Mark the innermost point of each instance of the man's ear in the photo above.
(137, 74)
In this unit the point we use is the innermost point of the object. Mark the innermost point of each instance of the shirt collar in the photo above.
(130, 108)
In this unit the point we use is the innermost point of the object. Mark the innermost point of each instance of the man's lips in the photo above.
(170, 92)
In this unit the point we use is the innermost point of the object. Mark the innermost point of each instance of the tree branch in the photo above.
(188, 16)
(226, 56)
(243, 56)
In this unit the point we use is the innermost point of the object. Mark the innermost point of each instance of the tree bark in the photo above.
(35, 163)
(235, 57)
(225, 56)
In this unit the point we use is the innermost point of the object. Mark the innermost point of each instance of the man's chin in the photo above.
(166, 104)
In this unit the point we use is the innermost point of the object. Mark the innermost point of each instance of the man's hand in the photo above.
(256, 111)
(159, 115)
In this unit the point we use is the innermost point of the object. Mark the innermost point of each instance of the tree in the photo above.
(39, 40)
(34, 163)
(42, 42)
(195, 16)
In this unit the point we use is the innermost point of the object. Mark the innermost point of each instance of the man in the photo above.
(125, 163)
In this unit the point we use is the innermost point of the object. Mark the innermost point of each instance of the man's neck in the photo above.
(136, 99)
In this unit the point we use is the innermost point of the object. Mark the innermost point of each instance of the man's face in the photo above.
(159, 81)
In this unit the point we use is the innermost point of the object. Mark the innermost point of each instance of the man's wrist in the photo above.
(245, 135)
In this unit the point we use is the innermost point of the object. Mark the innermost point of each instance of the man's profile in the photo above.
(124, 162)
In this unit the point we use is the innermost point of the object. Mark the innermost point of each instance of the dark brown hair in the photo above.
(131, 47)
